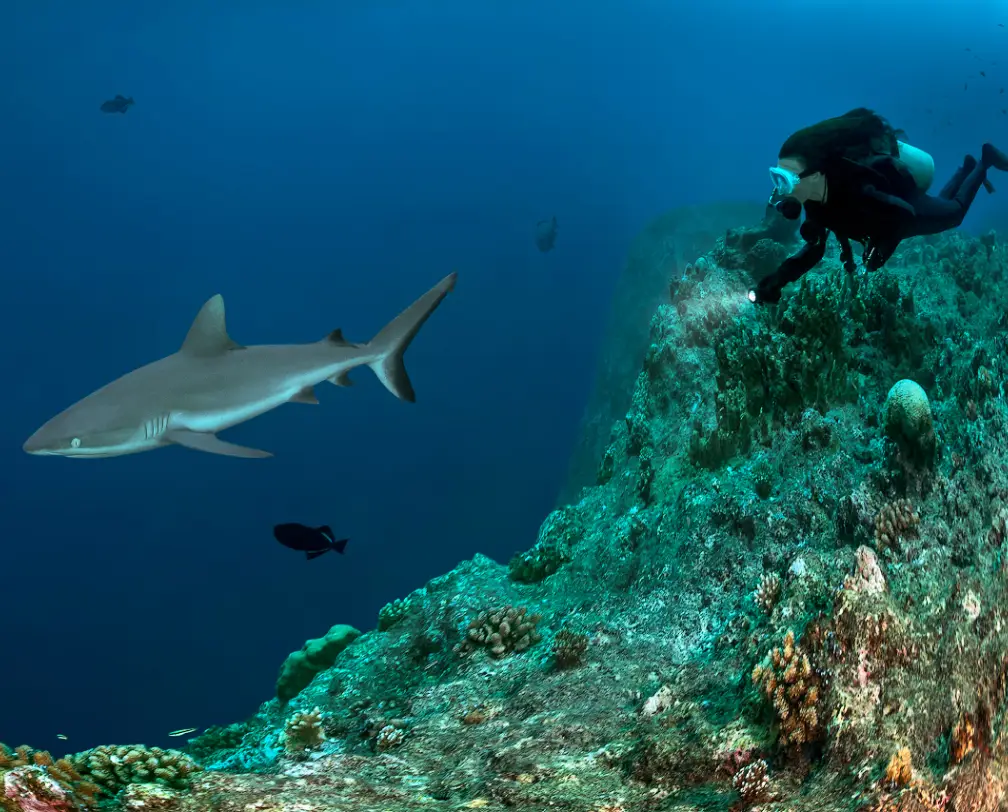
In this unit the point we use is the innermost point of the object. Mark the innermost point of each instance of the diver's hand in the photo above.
(767, 291)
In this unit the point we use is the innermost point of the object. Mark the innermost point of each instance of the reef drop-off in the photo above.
(785, 590)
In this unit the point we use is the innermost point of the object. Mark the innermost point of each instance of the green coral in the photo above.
(113, 767)
(392, 612)
(551, 551)
(908, 420)
(317, 654)
(216, 738)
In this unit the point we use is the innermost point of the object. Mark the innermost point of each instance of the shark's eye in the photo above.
(75, 442)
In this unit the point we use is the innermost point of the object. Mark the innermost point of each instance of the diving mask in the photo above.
(784, 181)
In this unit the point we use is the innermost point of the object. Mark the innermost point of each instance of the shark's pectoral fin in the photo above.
(306, 395)
(342, 379)
(212, 444)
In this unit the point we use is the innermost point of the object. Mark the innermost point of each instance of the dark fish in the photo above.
(1000, 25)
(546, 234)
(312, 541)
(983, 74)
(1001, 90)
(965, 85)
(120, 104)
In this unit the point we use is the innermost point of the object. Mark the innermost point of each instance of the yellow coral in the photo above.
(789, 682)
(899, 773)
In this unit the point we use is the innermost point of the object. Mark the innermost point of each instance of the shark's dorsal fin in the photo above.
(208, 334)
(336, 337)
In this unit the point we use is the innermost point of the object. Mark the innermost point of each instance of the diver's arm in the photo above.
(794, 267)
(897, 206)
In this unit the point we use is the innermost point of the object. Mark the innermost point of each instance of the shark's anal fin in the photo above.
(306, 395)
(208, 334)
(212, 444)
(343, 379)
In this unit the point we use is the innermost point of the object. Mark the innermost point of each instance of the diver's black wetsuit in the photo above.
(878, 204)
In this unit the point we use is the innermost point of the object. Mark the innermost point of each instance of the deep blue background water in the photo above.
(321, 165)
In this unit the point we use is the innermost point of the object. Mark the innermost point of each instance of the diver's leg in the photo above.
(936, 214)
(991, 156)
(949, 189)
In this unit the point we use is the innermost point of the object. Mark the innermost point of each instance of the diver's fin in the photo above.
(316, 554)
(340, 545)
(212, 444)
(306, 395)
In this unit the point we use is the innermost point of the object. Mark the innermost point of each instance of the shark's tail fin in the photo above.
(390, 344)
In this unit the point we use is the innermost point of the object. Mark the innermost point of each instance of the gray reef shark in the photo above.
(213, 383)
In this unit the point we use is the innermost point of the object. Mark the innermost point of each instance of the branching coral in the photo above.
(61, 771)
(767, 592)
(752, 782)
(569, 648)
(899, 772)
(794, 688)
(114, 766)
(501, 632)
(894, 521)
(303, 731)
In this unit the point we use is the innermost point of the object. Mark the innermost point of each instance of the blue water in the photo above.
(321, 165)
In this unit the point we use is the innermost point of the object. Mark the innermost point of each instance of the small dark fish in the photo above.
(983, 74)
(965, 85)
(1000, 25)
(546, 234)
(1004, 112)
(312, 541)
(1001, 90)
(120, 104)
(969, 49)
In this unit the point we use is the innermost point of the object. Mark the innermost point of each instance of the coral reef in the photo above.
(113, 767)
(785, 591)
(317, 654)
(501, 632)
(303, 731)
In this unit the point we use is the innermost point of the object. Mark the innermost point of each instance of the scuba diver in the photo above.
(854, 177)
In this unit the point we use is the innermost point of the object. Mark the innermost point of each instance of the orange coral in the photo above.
(60, 770)
(899, 773)
(963, 739)
(788, 680)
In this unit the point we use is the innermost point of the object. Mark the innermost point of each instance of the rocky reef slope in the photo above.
(786, 591)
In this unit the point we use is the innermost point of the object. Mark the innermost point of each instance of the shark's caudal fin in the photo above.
(390, 344)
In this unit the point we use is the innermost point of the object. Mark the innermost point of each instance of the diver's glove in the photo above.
(767, 291)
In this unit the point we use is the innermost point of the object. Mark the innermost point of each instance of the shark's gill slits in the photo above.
(156, 426)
